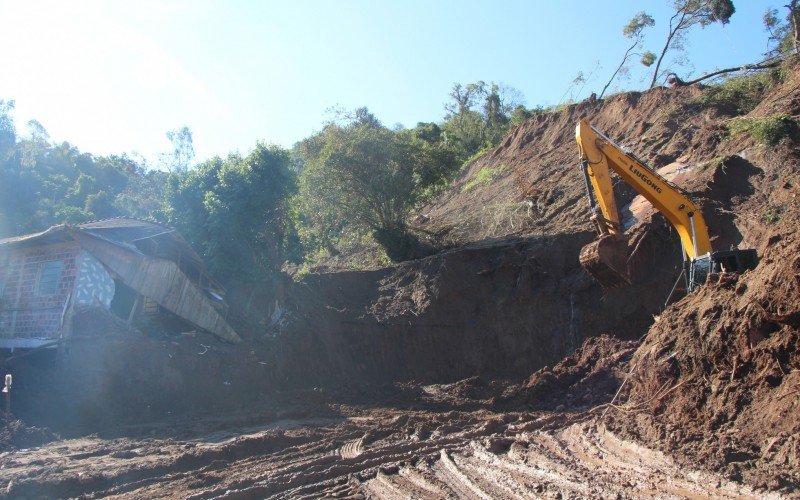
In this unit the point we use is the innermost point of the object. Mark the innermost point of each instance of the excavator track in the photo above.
(607, 260)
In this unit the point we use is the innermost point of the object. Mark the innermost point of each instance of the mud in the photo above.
(382, 453)
(16, 434)
(500, 310)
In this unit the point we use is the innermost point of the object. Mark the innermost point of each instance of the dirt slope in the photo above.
(506, 306)
(498, 311)
(537, 162)
(717, 379)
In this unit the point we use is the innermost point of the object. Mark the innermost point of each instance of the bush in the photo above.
(742, 92)
(769, 130)
(398, 243)
(772, 215)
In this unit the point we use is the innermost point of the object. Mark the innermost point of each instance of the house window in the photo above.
(49, 277)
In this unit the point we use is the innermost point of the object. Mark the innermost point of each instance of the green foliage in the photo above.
(475, 156)
(519, 116)
(182, 154)
(362, 178)
(772, 215)
(8, 134)
(44, 183)
(634, 31)
(690, 13)
(484, 177)
(73, 215)
(742, 92)
(714, 163)
(717, 10)
(782, 31)
(479, 116)
(236, 212)
(647, 58)
(637, 24)
(769, 130)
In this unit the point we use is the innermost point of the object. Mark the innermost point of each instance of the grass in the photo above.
(484, 177)
(743, 92)
(772, 215)
(768, 130)
(476, 155)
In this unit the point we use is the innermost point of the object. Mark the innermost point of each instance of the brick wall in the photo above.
(24, 313)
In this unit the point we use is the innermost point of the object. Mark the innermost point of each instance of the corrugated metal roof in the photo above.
(128, 223)
(127, 229)
(47, 234)
(117, 229)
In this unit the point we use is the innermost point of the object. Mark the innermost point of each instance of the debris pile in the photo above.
(717, 379)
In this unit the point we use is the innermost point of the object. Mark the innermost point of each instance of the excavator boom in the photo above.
(607, 258)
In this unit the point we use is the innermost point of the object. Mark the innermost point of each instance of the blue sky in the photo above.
(114, 76)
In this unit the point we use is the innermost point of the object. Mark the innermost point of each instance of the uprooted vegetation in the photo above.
(740, 94)
(769, 130)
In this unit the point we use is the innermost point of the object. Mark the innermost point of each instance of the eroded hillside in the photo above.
(513, 297)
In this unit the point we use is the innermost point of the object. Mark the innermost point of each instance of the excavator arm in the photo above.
(607, 258)
(599, 155)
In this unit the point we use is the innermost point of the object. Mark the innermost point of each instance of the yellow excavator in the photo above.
(607, 258)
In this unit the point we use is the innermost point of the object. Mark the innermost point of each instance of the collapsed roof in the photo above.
(151, 258)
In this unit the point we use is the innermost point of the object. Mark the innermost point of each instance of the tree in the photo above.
(634, 31)
(182, 154)
(8, 134)
(496, 115)
(235, 212)
(519, 115)
(364, 173)
(100, 205)
(37, 132)
(689, 13)
(478, 115)
(363, 179)
(794, 19)
(784, 34)
(463, 125)
(44, 183)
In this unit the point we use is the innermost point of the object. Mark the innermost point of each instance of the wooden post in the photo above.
(7, 395)
(133, 309)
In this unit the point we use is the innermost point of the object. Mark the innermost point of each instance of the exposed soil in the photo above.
(717, 379)
(366, 453)
(16, 434)
(497, 368)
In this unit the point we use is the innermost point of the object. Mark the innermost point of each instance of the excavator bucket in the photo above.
(607, 260)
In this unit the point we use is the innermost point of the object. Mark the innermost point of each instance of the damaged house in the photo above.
(56, 282)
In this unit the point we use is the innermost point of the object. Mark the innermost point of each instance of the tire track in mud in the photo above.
(463, 455)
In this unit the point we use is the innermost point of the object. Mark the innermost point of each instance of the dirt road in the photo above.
(372, 453)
